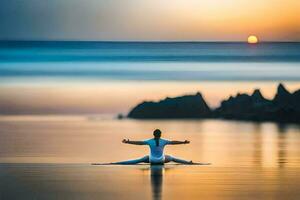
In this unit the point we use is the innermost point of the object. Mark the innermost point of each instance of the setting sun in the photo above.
(252, 39)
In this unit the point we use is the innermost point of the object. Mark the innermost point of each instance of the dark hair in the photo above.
(157, 134)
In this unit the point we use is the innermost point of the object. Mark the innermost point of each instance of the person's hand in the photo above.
(186, 142)
(125, 141)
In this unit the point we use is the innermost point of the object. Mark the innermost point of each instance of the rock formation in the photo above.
(284, 107)
(189, 106)
(243, 106)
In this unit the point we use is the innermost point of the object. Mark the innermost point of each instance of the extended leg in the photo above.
(176, 160)
(144, 159)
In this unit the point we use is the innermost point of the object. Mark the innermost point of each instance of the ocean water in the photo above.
(49, 157)
(182, 61)
(89, 139)
(93, 77)
(58, 102)
(150, 51)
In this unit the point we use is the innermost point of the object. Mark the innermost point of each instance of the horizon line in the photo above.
(150, 41)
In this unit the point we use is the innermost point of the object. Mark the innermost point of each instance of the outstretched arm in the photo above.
(173, 142)
(133, 142)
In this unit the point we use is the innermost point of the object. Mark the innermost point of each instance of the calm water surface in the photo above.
(48, 157)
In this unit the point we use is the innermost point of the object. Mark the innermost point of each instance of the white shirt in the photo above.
(156, 152)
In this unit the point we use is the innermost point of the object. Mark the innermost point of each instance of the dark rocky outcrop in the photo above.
(189, 106)
(285, 99)
(284, 107)
(243, 106)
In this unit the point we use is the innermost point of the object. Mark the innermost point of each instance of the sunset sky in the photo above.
(196, 20)
(116, 97)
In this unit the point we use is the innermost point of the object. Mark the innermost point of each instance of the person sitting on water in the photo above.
(157, 155)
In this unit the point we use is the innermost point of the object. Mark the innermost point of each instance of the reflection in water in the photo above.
(156, 178)
(258, 144)
(156, 181)
(282, 146)
(276, 146)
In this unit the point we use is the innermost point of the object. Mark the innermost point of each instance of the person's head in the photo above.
(157, 133)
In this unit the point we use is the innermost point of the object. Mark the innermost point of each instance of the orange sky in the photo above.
(197, 20)
(117, 97)
(223, 20)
